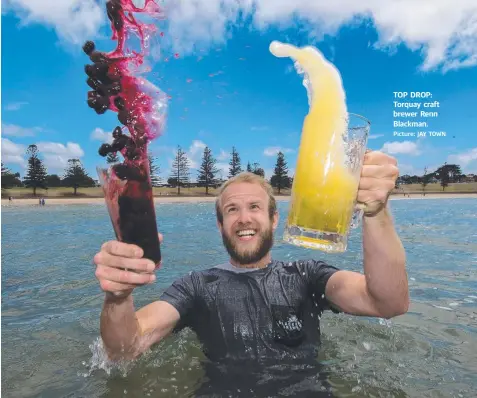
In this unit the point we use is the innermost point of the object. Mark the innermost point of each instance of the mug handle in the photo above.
(357, 215)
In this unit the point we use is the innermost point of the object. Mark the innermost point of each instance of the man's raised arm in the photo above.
(126, 333)
(383, 289)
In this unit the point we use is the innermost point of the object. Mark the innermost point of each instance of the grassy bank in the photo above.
(97, 192)
(465, 187)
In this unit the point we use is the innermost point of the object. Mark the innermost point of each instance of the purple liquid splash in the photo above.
(141, 108)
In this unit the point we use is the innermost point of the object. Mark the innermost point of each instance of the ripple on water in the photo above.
(51, 305)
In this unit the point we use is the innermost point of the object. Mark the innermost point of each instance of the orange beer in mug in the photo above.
(333, 142)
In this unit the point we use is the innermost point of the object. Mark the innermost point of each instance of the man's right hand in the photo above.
(120, 268)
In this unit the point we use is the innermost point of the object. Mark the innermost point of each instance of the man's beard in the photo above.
(265, 244)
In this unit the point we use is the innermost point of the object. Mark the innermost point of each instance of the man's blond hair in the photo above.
(250, 178)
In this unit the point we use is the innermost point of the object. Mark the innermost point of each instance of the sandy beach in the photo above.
(198, 199)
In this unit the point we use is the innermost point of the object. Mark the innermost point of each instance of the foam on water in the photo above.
(100, 361)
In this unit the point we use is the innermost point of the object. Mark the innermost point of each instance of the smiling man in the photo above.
(255, 307)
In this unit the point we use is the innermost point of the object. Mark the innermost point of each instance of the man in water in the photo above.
(254, 307)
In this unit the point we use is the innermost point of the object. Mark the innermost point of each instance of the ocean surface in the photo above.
(51, 303)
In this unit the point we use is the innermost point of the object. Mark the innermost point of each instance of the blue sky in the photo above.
(228, 90)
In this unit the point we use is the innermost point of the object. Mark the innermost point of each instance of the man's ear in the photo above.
(276, 218)
(219, 226)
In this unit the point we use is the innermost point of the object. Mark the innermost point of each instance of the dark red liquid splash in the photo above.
(141, 108)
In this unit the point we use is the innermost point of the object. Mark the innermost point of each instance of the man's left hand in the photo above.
(378, 179)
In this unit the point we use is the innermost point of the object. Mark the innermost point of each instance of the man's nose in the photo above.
(245, 216)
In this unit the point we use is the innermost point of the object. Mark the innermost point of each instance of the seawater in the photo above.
(51, 303)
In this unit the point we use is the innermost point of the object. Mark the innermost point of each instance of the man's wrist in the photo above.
(117, 297)
(381, 216)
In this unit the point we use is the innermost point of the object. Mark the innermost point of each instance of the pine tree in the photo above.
(154, 171)
(425, 180)
(36, 174)
(112, 158)
(5, 170)
(10, 179)
(258, 170)
(448, 173)
(234, 163)
(207, 170)
(76, 176)
(280, 179)
(249, 167)
(180, 170)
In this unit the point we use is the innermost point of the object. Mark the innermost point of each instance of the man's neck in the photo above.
(262, 263)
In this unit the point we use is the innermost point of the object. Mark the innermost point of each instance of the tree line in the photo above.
(208, 173)
(444, 175)
(75, 176)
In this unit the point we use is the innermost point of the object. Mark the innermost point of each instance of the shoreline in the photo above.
(198, 199)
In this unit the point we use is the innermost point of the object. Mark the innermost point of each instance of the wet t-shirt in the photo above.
(263, 313)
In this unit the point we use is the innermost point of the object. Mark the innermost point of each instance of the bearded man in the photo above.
(255, 307)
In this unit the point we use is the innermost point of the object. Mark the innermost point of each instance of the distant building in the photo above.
(469, 178)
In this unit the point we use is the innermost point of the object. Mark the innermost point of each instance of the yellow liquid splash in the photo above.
(324, 190)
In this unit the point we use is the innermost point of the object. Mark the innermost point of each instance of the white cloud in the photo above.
(273, 150)
(13, 153)
(73, 20)
(223, 155)
(401, 147)
(99, 134)
(195, 153)
(465, 159)
(197, 147)
(444, 31)
(15, 106)
(18, 131)
(72, 149)
(56, 155)
(223, 170)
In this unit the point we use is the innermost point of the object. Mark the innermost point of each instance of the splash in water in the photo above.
(100, 360)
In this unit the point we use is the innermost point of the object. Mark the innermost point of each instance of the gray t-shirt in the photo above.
(254, 313)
